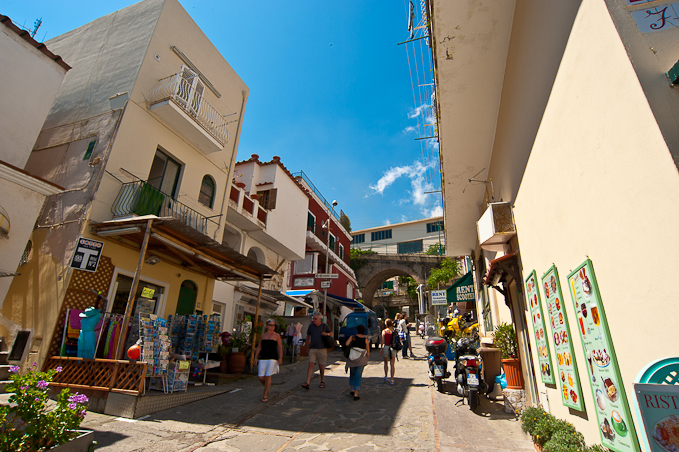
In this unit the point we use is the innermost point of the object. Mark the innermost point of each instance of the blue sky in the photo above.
(331, 92)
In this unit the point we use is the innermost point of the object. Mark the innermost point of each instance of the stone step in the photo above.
(4, 371)
(4, 356)
(4, 383)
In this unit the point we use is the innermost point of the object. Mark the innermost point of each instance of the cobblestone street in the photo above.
(408, 416)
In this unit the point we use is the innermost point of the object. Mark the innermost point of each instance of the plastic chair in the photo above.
(661, 372)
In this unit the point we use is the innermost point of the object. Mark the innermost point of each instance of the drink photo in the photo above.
(582, 323)
(618, 424)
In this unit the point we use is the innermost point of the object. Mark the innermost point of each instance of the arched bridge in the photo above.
(373, 269)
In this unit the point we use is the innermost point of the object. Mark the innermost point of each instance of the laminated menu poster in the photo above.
(539, 329)
(612, 406)
(567, 368)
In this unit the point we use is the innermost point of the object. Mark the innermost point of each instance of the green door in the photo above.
(186, 302)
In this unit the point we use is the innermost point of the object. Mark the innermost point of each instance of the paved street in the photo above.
(410, 416)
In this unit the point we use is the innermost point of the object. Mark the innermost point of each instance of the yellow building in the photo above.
(142, 136)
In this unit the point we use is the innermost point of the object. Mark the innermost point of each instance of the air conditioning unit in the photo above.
(496, 226)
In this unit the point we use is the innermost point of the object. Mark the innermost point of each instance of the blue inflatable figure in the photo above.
(87, 341)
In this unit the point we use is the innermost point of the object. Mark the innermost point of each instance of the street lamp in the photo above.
(327, 257)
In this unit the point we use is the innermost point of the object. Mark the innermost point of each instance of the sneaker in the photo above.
(391, 383)
(412, 355)
(385, 380)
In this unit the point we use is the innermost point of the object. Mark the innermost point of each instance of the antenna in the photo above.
(470, 180)
(36, 25)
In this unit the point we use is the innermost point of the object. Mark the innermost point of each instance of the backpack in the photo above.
(396, 343)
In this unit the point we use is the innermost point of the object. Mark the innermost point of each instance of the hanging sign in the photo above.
(539, 329)
(438, 298)
(87, 254)
(567, 367)
(612, 407)
(659, 409)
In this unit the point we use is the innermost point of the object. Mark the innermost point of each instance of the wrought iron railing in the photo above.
(140, 198)
(311, 185)
(183, 94)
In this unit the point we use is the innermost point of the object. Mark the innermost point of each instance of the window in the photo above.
(359, 238)
(331, 243)
(380, 235)
(310, 222)
(164, 174)
(305, 266)
(434, 227)
(410, 247)
(340, 252)
(207, 192)
(267, 198)
(387, 285)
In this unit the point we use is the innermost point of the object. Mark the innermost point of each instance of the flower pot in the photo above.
(224, 366)
(512, 368)
(237, 362)
(240, 184)
(255, 197)
(538, 447)
(80, 443)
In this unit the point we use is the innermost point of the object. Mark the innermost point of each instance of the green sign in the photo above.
(462, 290)
(539, 329)
(608, 392)
(568, 377)
(659, 409)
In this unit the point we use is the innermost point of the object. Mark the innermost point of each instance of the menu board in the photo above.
(568, 378)
(539, 329)
(659, 409)
(612, 407)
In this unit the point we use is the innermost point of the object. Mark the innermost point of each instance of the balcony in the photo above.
(247, 213)
(182, 107)
(140, 198)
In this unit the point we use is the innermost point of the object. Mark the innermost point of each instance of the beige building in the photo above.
(142, 136)
(408, 237)
(24, 105)
(568, 108)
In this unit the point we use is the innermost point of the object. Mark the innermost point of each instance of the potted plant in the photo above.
(224, 352)
(27, 425)
(505, 340)
(550, 434)
(238, 344)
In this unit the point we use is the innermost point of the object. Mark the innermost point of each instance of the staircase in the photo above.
(4, 365)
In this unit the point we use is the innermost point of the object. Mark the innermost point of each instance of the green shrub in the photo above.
(554, 435)
(565, 438)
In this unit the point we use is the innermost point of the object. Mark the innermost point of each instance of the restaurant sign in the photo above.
(659, 409)
(539, 329)
(616, 426)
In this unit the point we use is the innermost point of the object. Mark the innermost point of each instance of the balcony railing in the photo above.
(184, 95)
(140, 198)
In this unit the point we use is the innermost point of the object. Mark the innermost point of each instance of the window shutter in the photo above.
(272, 198)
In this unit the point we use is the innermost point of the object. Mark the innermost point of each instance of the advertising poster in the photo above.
(659, 409)
(567, 368)
(539, 329)
(612, 407)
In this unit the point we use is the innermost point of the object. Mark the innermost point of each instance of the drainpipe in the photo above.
(254, 323)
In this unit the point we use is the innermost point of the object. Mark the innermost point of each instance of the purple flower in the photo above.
(23, 388)
(42, 384)
(37, 399)
(78, 398)
(83, 413)
(59, 369)
(35, 364)
(72, 406)
(14, 369)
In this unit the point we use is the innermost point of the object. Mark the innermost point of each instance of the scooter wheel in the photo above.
(439, 385)
(473, 400)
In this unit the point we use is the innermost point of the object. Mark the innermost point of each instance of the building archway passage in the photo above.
(373, 269)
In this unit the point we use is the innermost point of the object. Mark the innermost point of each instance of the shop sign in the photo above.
(608, 393)
(438, 298)
(147, 292)
(539, 329)
(87, 254)
(659, 409)
(568, 377)
(303, 282)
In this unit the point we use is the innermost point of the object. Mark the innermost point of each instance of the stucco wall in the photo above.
(600, 182)
(31, 81)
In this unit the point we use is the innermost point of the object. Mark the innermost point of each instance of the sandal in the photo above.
(265, 400)
(356, 398)
(305, 385)
(322, 384)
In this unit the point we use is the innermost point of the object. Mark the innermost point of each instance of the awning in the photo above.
(348, 302)
(299, 293)
(462, 290)
(174, 241)
(286, 298)
(502, 267)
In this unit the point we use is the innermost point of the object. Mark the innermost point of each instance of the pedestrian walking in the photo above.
(269, 356)
(359, 354)
(403, 330)
(388, 354)
(317, 351)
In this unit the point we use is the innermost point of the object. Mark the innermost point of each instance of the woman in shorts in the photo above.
(269, 355)
(388, 354)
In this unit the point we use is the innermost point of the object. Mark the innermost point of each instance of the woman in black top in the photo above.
(269, 353)
(356, 366)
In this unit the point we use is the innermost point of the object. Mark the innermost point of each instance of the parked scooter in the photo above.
(420, 330)
(468, 372)
(437, 361)
(463, 323)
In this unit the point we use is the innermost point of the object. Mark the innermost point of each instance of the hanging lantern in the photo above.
(4, 222)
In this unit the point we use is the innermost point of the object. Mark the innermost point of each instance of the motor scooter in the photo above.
(437, 361)
(468, 372)
(420, 330)
(462, 323)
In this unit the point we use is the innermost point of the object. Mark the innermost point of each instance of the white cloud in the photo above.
(389, 178)
(387, 222)
(435, 212)
(414, 113)
(404, 218)
(409, 129)
(417, 173)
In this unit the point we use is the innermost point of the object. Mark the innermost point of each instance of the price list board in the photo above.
(539, 329)
(568, 379)
(612, 406)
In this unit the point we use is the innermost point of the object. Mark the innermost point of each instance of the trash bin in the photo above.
(492, 366)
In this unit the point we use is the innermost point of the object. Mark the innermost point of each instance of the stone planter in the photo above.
(254, 197)
(81, 443)
(240, 184)
(237, 362)
(512, 368)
